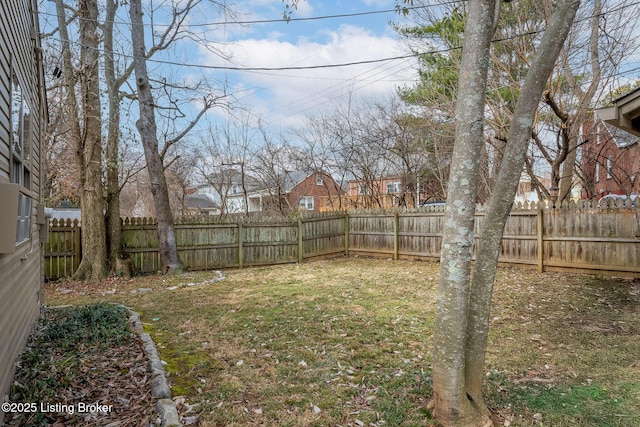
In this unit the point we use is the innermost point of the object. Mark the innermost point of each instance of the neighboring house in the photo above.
(228, 189)
(199, 204)
(385, 192)
(23, 119)
(610, 160)
(303, 190)
(526, 191)
(284, 193)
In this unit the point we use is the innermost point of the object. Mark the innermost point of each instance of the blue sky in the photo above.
(284, 98)
(280, 99)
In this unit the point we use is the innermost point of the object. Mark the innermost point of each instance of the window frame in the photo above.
(304, 204)
(20, 157)
(20, 134)
(394, 185)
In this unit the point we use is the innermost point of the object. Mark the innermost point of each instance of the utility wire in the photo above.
(345, 64)
(282, 20)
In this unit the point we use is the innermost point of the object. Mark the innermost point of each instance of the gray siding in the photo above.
(20, 272)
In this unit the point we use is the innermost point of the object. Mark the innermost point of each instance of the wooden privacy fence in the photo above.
(205, 243)
(573, 238)
(62, 251)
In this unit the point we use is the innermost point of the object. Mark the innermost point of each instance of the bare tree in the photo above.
(84, 120)
(223, 161)
(148, 133)
(463, 304)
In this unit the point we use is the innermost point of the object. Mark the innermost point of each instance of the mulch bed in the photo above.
(116, 375)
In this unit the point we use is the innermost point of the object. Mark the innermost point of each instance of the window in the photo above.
(363, 189)
(235, 189)
(609, 167)
(597, 172)
(24, 218)
(20, 136)
(393, 187)
(319, 180)
(306, 203)
(21, 157)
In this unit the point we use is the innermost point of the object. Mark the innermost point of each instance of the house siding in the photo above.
(620, 174)
(21, 272)
(309, 187)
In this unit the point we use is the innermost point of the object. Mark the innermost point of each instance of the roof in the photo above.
(621, 137)
(293, 178)
(199, 201)
(624, 114)
(230, 177)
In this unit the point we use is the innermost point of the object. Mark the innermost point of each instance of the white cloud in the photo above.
(378, 3)
(286, 97)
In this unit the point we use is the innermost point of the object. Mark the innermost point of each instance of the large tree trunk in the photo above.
(504, 192)
(88, 139)
(462, 313)
(113, 223)
(452, 405)
(148, 133)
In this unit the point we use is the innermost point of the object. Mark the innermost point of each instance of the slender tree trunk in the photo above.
(452, 405)
(148, 133)
(88, 138)
(568, 167)
(504, 192)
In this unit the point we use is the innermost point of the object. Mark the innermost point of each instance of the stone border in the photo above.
(165, 407)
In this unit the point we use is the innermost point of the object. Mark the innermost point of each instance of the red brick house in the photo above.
(384, 192)
(610, 160)
(304, 190)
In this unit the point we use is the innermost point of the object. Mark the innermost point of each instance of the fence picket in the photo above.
(579, 238)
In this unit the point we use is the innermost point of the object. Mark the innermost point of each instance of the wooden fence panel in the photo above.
(207, 246)
(140, 241)
(371, 232)
(420, 234)
(593, 240)
(323, 236)
(62, 251)
(585, 239)
(266, 243)
(519, 243)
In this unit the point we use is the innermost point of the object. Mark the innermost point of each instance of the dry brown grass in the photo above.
(347, 342)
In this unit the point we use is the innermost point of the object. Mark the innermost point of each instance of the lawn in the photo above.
(346, 342)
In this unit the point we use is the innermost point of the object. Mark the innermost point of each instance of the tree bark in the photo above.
(503, 195)
(88, 138)
(113, 223)
(146, 125)
(580, 115)
(452, 406)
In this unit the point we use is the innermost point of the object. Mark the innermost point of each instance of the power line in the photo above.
(282, 20)
(345, 64)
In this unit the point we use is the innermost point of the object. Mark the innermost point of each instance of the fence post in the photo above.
(240, 249)
(540, 232)
(77, 245)
(396, 243)
(346, 234)
(300, 241)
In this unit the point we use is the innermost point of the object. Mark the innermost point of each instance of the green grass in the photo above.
(348, 341)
